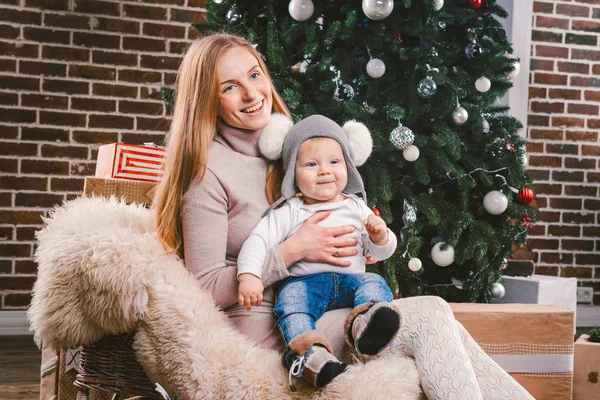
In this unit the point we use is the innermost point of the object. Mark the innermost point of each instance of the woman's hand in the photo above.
(250, 291)
(315, 243)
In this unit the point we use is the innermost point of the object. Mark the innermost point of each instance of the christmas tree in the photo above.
(425, 76)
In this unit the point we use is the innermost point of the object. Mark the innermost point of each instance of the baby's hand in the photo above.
(250, 291)
(377, 230)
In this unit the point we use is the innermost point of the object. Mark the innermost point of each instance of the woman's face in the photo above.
(245, 91)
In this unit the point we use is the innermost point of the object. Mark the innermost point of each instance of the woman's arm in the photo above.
(204, 220)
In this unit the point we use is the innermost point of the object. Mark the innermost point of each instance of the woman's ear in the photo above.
(359, 138)
(273, 135)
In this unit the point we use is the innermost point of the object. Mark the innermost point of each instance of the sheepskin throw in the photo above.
(102, 271)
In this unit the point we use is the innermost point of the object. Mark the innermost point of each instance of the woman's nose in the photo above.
(249, 93)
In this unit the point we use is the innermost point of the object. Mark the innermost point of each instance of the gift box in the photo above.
(541, 289)
(586, 378)
(532, 342)
(131, 191)
(130, 161)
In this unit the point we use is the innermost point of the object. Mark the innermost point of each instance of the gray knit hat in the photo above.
(281, 138)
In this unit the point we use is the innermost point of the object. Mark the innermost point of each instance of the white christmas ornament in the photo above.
(513, 74)
(414, 264)
(495, 202)
(440, 257)
(438, 4)
(483, 84)
(460, 115)
(411, 153)
(375, 68)
(525, 160)
(498, 290)
(377, 9)
(301, 10)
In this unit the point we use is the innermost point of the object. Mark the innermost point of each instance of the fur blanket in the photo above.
(102, 271)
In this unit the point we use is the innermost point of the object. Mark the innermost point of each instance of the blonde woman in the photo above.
(215, 189)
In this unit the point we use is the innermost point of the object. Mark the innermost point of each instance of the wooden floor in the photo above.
(19, 368)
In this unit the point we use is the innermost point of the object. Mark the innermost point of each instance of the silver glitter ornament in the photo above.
(377, 9)
(500, 147)
(402, 137)
(485, 126)
(427, 88)
(343, 93)
(233, 15)
(473, 50)
(504, 264)
(498, 290)
(460, 115)
(409, 217)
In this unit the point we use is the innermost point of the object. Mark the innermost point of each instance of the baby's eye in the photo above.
(335, 161)
(311, 164)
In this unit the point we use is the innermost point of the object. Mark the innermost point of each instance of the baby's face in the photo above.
(321, 172)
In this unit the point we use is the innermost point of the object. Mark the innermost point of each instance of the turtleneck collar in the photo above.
(243, 141)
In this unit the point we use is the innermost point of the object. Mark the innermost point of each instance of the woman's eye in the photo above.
(228, 88)
(254, 75)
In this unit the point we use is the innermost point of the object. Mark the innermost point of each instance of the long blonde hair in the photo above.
(193, 128)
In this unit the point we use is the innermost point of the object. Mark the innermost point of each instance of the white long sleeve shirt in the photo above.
(283, 222)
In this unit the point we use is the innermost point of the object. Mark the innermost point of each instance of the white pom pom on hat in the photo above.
(273, 135)
(360, 140)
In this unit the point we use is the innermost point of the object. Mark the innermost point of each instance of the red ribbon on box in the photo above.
(130, 161)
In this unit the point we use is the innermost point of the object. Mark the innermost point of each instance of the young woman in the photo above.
(215, 189)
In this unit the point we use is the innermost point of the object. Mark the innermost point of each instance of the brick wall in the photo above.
(74, 75)
(564, 123)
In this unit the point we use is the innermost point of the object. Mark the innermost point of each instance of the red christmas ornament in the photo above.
(525, 196)
(475, 3)
(399, 39)
(375, 211)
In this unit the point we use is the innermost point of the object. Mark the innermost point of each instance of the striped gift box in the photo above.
(130, 161)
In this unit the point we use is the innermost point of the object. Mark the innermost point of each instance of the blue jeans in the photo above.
(303, 300)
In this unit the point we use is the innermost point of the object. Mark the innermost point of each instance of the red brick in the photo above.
(141, 138)
(195, 3)
(593, 177)
(568, 121)
(150, 93)
(575, 68)
(18, 149)
(137, 76)
(114, 90)
(20, 17)
(153, 62)
(62, 118)
(46, 35)
(590, 204)
(117, 25)
(568, 94)
(143, 44)
(22, 183)
(546, 134)
(19, 83)
(592, 95)
(114, 58)
(582, 136)
(588, 55)
(170, 79)
(19, 50)
(180, 15)
(9, 131)
(5, 266)
(65, 53)
(17, 282)
(541, 65)
(178, 47)
(548, 108)
(585, 81)
(539, 175)
(578, 190)
(111, 121)
(175, 2)
(48, 4)
(17, 115)
(563, 230)
(556, 258)
(97, 7)
(44, 167)
(42, 68)
(17, 299)
(571, 244)
(66, 184)
(545, 36)
(537, 92)
(94, 137)
(9, 32)
(44, 134)
(162, 30)
(547, 22)
(545, 161)
(140, 107)
(8, 65)
(578, 218)
(92, 72)
(152, 124)
(588, 109)
(547, 216)
(96, 40)
(68, 21)
(65, 86)
(591, 231)
(9, 165)
(47, 200)
(45, 101)
(576, 272)
(541, 188)
(572, 11)
(567, 176)
(585, 40)
(70, 151)
(192, 33)
(550, 79)
(544, 270)
(587, 259)
(26, 266)
(543, 244)
(583, 25)
(535, 147)
(143, 12)
(83, 168)
(9, 99)
(593, 123)
(538, 120)
(590, 150)
(92, 104)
